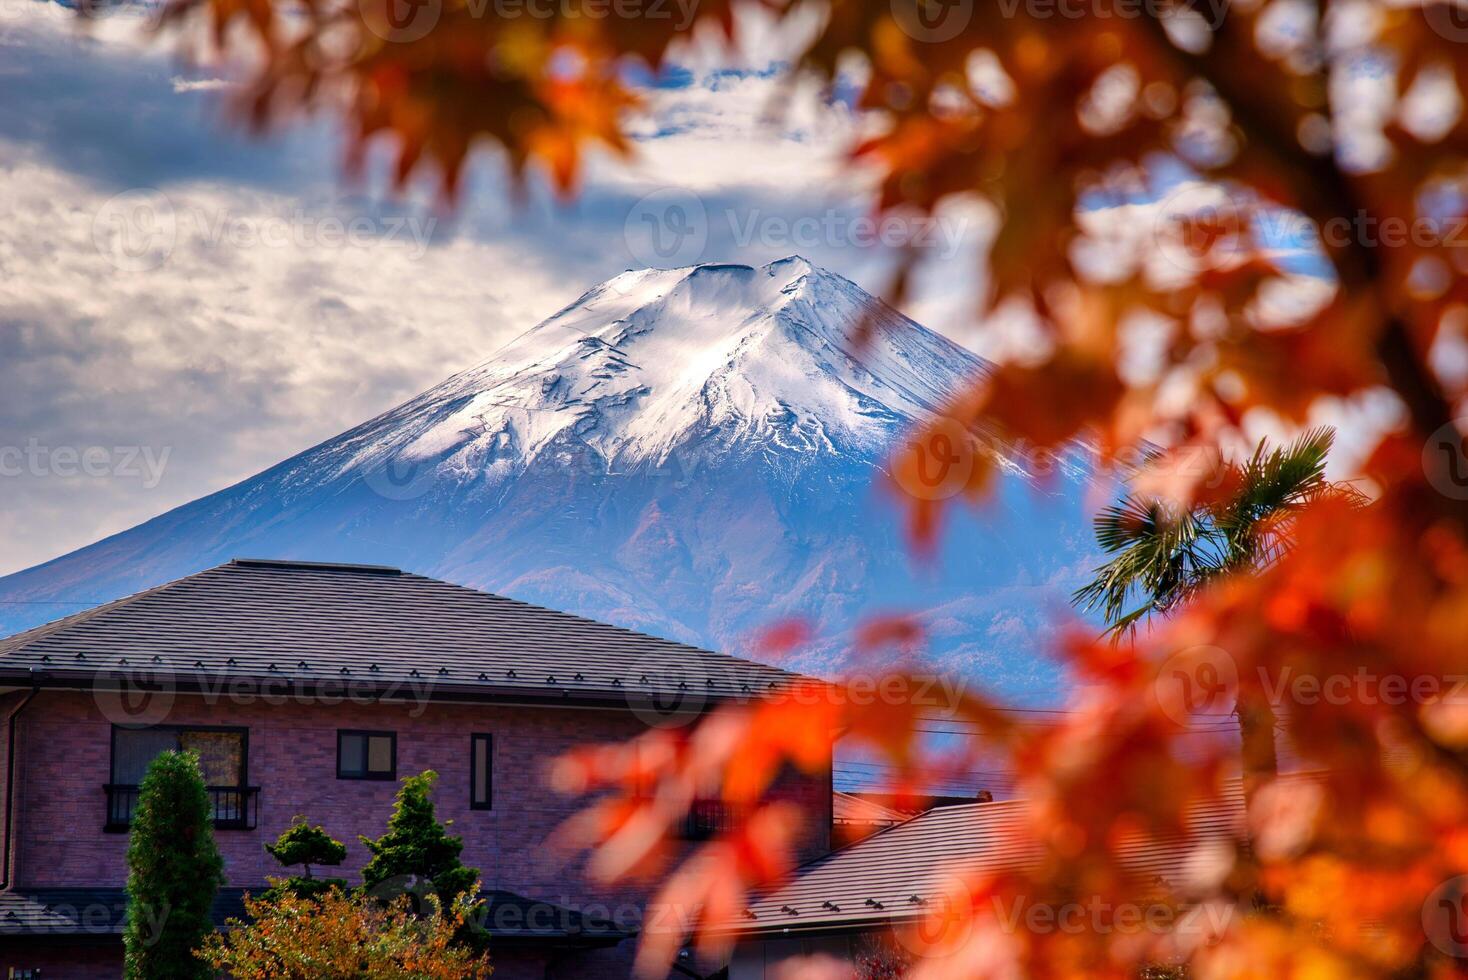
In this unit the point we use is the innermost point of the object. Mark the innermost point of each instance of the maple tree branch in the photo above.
(1324, 192)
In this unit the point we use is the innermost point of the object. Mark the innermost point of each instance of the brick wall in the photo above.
(61, 961)
(64, 760)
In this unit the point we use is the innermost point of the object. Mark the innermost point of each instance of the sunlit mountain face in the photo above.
(696, 453)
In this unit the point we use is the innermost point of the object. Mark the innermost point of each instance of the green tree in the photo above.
(174, 872)
(1165, 555)
(305, 845)
(417, 849)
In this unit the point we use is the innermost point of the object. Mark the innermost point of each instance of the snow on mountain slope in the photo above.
(694, 452)
(645, 362)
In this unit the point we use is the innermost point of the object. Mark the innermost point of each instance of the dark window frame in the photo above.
(242, 730)
(247, 797)
(488, 802)
(366, 774)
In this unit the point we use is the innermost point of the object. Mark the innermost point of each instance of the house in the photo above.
(310, 689)
(856, 902)
(854, 817)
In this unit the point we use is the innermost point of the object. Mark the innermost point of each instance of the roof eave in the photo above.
(331, 686)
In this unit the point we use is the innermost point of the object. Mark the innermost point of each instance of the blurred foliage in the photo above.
(1157, 168)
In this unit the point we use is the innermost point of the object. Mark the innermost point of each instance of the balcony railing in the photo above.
(708, 818)
(235, 807)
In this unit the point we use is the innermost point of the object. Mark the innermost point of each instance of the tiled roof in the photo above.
(892, 875)
(86, 912)
(97, 913)
(302, 623)
(847, 808)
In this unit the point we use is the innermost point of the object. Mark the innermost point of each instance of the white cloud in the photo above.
(168, 283)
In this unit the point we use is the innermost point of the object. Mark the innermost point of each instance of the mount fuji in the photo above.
(695, 453)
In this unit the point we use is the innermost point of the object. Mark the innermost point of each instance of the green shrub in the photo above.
(174, 872)
(305, 845)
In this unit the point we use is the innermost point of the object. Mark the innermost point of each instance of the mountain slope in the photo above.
(692, 452)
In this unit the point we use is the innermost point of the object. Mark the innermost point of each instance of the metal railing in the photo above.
(708, 818)
(235, 807)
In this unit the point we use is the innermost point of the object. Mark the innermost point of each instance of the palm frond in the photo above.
(1161, 557)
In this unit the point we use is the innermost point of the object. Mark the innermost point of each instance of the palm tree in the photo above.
(1164, 556)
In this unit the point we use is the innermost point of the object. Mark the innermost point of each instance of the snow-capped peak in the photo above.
(655, 360)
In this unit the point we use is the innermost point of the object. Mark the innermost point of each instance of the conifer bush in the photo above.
(174, 872)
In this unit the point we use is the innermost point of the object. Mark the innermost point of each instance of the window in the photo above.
(222, 752)
(481, 772)
(707, 818)
(366, 755)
